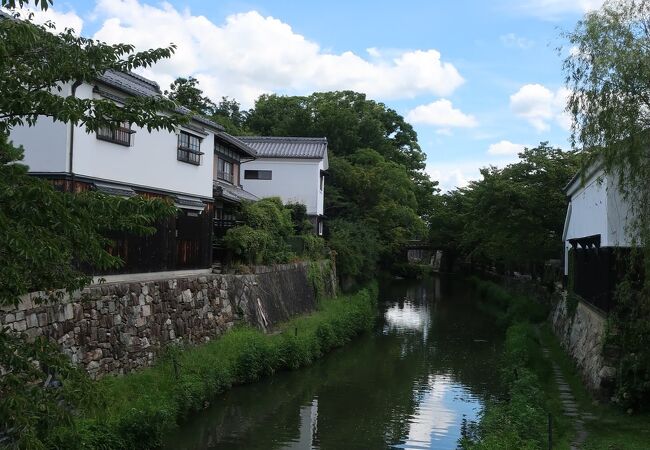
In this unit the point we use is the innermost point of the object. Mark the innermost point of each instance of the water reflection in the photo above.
(409, 385)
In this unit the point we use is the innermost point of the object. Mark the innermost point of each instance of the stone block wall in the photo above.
(119, 327)
(582, 335)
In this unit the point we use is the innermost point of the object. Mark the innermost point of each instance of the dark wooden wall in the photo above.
(595, 274)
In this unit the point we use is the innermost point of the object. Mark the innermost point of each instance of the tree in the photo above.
(513, 217)
(45, 235)
(377, 185)
(186, 92)
(608, 73)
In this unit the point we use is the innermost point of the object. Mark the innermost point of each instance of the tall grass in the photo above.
(139, 408)
(520, 419)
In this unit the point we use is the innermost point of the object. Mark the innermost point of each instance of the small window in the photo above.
(225, 170)
(121, 135)
(189, 148)
(258, 174)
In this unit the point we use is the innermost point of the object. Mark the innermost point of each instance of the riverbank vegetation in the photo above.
(136, 410)
(520, 419)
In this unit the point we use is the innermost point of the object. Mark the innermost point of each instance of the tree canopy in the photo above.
(512, 217)
(47, 235)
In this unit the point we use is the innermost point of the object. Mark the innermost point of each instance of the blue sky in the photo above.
(477, 79)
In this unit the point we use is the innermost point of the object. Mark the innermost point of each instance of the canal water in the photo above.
(414, 383)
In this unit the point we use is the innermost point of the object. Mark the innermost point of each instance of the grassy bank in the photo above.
(138, 409)
(520, 419)
(612, 429)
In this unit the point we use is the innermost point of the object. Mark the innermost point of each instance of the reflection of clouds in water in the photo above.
(407, 316)
(436, 419)
(308, 428)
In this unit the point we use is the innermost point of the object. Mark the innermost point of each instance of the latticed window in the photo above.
(189, 148)
(119, 135)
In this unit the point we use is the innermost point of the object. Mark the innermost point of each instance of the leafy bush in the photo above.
(356, 247)
(262, 239)
(508, 307)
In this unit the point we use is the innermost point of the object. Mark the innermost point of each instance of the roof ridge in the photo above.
(285, 138)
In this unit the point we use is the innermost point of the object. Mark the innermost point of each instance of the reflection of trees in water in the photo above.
(369, 393)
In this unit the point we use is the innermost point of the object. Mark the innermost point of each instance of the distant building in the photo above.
(595, 235)
(292, 168)
(127, 161)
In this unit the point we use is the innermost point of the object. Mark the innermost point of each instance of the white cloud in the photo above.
(62, 20)
(539, 106)
(556, 9)
(512, 40)
(452, 175)
(505, 147)
(251, 54)
(441, 113)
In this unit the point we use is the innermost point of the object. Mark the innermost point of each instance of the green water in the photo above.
(428, 368)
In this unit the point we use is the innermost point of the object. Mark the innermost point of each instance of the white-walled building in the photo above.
(596, 226)
(196, 166)
(292, 168)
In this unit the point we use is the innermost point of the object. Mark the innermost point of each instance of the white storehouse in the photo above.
(196, 167)
(292, 168)
(594, 228)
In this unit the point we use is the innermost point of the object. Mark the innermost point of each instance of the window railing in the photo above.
(225, 176)
(121, 135)
(189, 156)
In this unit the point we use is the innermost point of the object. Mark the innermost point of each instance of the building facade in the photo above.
(186, 166)
(292, 168)
(596, 236)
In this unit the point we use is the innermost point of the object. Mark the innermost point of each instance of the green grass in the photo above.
(139, 408)
(612, 429)
(520, 420)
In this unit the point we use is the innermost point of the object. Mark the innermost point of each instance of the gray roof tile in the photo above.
(232, 192)
(135, 84)
(287, 147)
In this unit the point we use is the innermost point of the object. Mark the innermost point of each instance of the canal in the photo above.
(425, 372)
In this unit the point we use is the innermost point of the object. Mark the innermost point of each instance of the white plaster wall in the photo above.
(45, 144)
(618, 215)
(588, 213)
(150, 161)
(589, 210)
(294, 180)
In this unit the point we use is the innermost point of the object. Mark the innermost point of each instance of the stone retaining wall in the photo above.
(119, 327)
(582, 335)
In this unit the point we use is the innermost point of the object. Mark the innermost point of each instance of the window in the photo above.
(225, 170)
(189, 148)
(322, 182)
(258, 174)
(120, 135)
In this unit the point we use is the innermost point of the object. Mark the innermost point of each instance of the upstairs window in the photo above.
(225, 170)
(258, 175)
(189, 148)
(121, 135)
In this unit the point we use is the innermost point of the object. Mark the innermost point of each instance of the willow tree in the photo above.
(45, 235)
(608, 73)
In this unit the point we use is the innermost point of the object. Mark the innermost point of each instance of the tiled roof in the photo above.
(135, 84)
(237, 143)
(232, 192)
(287, 147)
